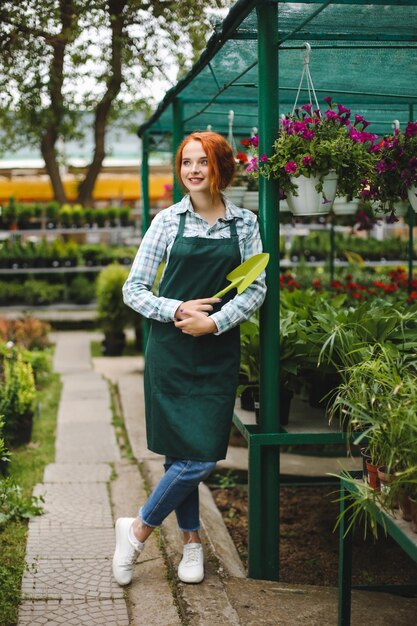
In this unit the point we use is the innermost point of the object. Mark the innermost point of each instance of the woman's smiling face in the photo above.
(194, 167)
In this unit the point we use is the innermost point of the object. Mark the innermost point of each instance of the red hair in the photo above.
(221, 161)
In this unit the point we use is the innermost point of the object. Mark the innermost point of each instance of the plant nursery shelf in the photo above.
(389, 263)
(52, 270)
(394, 526)
(4, 234)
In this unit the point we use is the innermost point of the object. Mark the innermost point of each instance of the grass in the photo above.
(26, 468)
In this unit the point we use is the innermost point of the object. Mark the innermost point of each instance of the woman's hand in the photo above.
(197, 323)
(202, 305)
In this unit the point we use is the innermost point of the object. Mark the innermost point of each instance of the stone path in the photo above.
(69, 547)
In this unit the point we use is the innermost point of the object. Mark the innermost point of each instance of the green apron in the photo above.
(190, 382)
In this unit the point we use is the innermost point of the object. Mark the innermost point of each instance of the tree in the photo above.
(60, 57)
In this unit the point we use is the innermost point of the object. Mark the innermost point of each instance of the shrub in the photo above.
(113, 314)
(4, 453)
(17, 395)
(41, 292)
(30, 333)
(81, 290)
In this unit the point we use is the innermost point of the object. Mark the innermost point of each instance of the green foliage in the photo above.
(14, 505)
(17, 395)
(81, 290)
(113, 314)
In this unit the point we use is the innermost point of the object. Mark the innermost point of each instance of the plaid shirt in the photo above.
(156, 247)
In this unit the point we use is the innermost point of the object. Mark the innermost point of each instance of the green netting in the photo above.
(363, 53)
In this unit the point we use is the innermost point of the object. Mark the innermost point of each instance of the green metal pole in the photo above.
(145, 213)
(345, 561)
(410, 224)
(177, 137)
(332, 247)
(410, 246)
(263, 550)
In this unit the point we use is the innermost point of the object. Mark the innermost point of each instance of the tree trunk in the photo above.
(52, 167)
(86, 188)
(56, 77)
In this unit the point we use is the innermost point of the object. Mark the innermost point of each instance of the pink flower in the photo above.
(253, 165)
(307, 107)
(254, 141)
(328, 99)
(308, 134)
(343, 109)
(263, 158)
(291, 167)
(307, 161)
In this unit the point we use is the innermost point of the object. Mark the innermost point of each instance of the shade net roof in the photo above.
(364, 54)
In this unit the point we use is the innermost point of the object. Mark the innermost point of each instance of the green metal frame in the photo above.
(390, 526)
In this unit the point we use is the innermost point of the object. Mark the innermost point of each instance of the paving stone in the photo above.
(73, 613)
(77, 473)
(86, 443)
(78, 543)
(72, 505)
(72, 352)
(85, 410)
(69, 579)
(90, 384)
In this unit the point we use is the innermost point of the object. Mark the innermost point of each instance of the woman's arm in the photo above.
(137, 289)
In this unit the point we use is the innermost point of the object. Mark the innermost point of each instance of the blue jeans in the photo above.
(177, 491)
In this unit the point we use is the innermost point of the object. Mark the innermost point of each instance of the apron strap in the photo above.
(181, 226)
(232, 226)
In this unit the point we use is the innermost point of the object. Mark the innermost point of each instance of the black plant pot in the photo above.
(114, 343)
(247, 400)
(285, 397)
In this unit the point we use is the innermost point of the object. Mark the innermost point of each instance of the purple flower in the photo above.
(253, 165)
(358, 118)
(381, 166)
(411, 130)
(331, 115)
(291, 167)
(263, 158)
(307, 107)
(308, 134)
(328, 99)
(307, 161)
(254, 141)
(377, 148)
(343, 109)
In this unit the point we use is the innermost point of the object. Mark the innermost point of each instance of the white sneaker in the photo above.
(127, 551)
(191, 567)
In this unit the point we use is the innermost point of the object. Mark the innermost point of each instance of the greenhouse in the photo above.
(265, 60)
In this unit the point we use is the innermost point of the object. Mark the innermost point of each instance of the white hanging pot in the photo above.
(401, 208)
(412, 196)
(283, 206)
(309, 201)
(251, 200)
(343, 206)
(235, 195)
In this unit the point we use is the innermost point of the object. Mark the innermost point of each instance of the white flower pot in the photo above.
(283, 206)
(412, 196)
(235, 195)
(342, 206)
(251, 200)
(309, 201)
(401, 208)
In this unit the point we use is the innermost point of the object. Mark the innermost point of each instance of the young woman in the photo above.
(193, 350)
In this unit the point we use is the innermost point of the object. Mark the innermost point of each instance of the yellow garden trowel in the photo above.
(245, 273)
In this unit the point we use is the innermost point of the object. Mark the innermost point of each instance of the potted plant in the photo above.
(113, 314)
(396, 170)
(317, 155)
(236, 192)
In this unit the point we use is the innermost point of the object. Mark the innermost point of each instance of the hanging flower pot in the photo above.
(251, 200)
(401, 208)
(235, 195)
(283, 206)
(343, 206)
(309, 201)
(412, 196)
